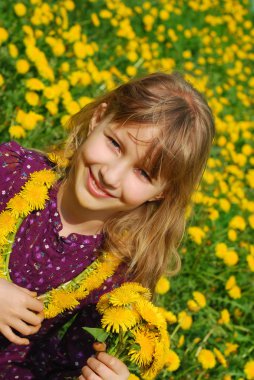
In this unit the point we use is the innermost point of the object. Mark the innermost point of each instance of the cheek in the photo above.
(93, 151)
(136, 193)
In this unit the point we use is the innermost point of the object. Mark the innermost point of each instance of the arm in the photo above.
(19, 311)
(104, 367)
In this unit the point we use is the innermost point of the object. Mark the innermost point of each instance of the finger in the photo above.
(13, 338)
(99, 346)
(27, 291)
(23, 328)
(81, 377)
(88, 373)
(32, 318)
(35, 305)
(113, 363)
(100, 369)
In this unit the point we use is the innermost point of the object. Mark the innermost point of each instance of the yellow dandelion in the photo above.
(206, 358)
(200, 299)
(235, 292)
(162, 286)
(238, 222)
(184, 320)
(7, 223)
(230, 348)
(225, 317)
(220, 357)
(136, 287)
(181, 341)
(172, 361)
(127, 293)
(62, 162)
(142, 352)
(16, 131)
(231, 258)
(35, 195)
(150, 313)
(18, 206)
(60, 300)
(20, 9)
(116, 318)
(103, 303)
(250, 261)
(160, 354)
(249, 369)
(106, 269)
(230, 283)
(133, 377)
(22, 66)
(44, 177)
(193, 306)
(168, 315)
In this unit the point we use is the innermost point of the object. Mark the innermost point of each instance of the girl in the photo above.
(137, 155)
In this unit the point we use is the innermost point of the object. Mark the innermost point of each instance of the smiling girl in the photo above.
(137, 155)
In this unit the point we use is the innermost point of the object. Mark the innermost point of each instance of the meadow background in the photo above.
(56, 56)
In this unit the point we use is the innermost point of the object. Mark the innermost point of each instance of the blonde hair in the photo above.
(147, 238)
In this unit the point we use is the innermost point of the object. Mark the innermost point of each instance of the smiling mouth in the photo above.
(95, 189)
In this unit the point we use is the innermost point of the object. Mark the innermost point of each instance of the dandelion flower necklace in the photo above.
(33, 196)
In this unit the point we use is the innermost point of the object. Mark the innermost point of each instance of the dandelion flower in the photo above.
(1, 80)
(20, 9)
(45, 176)
(235, 292)
(7, 222)
(18, 206)
(103, 303)
(172, 361)
(142, 353)
(160, 355)
(168, 315)
(249, 370)
(35, 195)
(231, 258)
(116, 318)
(206, 358)
(185, 320)
(200, 299)
(193, 306)
(16, 131)
(60, 300)
(126, 294)
(162, 286)
(220, 357)
(22, 66)
(225, 317)
(230, 348)
(250, 261)
(150, 313)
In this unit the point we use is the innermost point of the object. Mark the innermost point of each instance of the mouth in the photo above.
(95, 189)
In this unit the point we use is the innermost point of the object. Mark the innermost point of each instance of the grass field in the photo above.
(55, 56)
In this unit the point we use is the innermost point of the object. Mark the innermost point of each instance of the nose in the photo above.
(112, 174)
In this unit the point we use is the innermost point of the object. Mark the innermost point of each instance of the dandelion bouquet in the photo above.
(133, 329)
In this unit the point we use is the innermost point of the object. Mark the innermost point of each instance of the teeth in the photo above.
(97, 188)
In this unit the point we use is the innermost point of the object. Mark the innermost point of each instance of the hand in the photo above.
(104, 367)
(19, 310)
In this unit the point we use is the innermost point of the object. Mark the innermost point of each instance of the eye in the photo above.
(145, 175)
(114, 143)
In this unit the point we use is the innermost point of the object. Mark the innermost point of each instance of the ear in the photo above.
(157, 197)
(97, 116)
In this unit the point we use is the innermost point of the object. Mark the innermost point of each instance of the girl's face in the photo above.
(107, 176)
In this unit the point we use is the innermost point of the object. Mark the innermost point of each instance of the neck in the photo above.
(74, 218)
